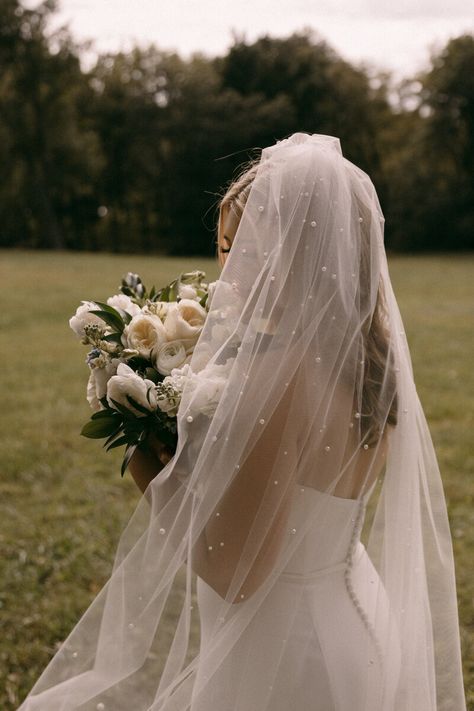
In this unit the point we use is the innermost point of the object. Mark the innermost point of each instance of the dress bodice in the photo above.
(330, 522)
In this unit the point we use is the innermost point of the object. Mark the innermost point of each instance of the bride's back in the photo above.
(332, 457)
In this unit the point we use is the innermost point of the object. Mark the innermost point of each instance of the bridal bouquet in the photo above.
(140, 347)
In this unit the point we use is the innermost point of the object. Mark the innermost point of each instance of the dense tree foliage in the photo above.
(431, 198)
(133, 154)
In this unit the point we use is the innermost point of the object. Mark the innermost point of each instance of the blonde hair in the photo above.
(235, 196)
(379, 391)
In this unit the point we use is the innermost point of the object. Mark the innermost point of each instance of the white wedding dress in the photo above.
(301, 368)
(314, 628)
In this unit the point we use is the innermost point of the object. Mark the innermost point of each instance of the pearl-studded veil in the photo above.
(300, 434)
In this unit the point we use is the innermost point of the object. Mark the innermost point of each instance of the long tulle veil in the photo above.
(301, 379)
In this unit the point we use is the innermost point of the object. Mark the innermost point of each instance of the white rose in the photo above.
(124, 302)
(127, 382)
(144, 333)
(169, 355)
(185, 320)
(83, 317)
(186, 291)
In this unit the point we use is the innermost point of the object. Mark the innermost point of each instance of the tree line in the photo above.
(132, 154)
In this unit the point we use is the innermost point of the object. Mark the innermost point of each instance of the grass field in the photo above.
(62, 501)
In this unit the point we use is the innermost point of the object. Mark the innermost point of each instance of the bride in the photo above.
(304, 506)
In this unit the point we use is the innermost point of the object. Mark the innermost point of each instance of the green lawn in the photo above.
(62, 501)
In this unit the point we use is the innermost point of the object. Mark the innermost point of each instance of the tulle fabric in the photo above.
(321, 554)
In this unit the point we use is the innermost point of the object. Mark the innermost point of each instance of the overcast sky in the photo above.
(394, 35)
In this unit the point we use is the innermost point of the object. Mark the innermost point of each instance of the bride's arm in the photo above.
(241, 512)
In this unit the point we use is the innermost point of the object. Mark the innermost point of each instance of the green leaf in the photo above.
(173, 290)
(110, 309)
(121, 408)
(164, 293)
(137, 405)
(128, 455)
(126, 316)
(133, 423)
(113, 435)
(110, 319)
(108, 413)
(113, 338)
(138, 363)
(152, 374)
(96, 429)
(118, 443)
(127, 291)
(116, 312)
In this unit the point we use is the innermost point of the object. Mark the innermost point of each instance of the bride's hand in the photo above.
(162, 452)
(147, 461)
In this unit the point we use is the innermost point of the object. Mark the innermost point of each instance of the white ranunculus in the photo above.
(185, 320)
(186, 291)
(124, 302)
(169, 355)
(83, 317)
(144, 333)
(127, 382)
